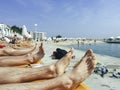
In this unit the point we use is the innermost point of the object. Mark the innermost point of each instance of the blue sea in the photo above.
(110, 49)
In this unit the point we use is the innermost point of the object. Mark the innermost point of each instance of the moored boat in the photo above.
(113, 40)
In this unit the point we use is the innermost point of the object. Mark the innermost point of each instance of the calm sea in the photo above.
(110, 49)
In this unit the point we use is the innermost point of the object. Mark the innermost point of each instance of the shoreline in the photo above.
(94, 81)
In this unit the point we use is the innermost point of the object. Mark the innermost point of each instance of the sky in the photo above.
(68, 18)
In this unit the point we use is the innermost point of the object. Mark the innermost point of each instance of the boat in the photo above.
(113, 40)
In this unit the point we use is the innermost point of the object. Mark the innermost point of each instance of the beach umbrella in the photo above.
(25, 32)
(12, 34)
(3, 31)
(6, 32)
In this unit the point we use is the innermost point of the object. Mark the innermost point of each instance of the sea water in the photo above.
(110, 49)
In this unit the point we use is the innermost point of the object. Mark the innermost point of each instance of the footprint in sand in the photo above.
(107, 86)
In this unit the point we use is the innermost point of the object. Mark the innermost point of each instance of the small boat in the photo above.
(113, 40)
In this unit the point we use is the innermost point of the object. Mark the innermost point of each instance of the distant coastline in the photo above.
(74, 42)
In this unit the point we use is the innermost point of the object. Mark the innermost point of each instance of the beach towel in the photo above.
(24, 66)
(81, 86)
(2, 46)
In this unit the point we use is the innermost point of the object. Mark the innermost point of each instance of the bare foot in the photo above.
(40, 53)
(63, 63)
(41, 49)
(82, 70)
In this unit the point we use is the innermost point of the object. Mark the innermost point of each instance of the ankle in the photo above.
(53, 71)
(30, 59)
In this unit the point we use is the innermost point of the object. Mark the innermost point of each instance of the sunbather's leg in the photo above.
(67, 81)
(64, 62)
(22, 60)
(40, 54)
(82, 70)
(13, 75)
(14, 52)
(2, 53)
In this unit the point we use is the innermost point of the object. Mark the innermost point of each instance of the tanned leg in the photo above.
(67, 81)
(39, 54)
(15, 52)
(62, 64)
(81, 72)
(22, 60)
(17, 75)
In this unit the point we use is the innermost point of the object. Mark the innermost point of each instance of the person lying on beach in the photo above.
(9, 51)
(59, 53)
(23, 59)
(27, 43)
(12, 78)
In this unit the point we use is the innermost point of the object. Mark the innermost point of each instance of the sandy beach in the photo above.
(95, 82)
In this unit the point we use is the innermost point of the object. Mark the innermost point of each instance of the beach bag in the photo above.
(59, 53)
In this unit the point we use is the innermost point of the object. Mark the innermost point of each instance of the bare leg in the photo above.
(13, 75)
(83, 70)
(22, 60)
(39, 54)
(67, 81)
(15, 52)
(63, 63)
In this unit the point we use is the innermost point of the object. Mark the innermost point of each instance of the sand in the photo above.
(96, 82)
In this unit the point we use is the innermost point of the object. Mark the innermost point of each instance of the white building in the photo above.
(39, 36)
